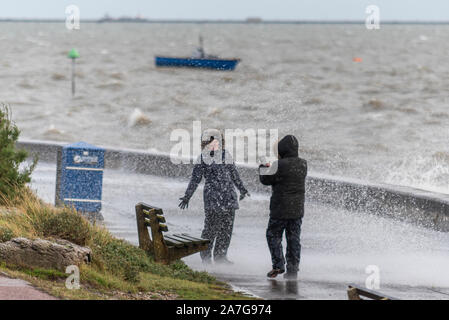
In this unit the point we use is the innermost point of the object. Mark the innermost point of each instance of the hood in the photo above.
(288, 147)
(209, 135)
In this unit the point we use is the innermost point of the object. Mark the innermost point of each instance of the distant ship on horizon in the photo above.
(254, 20)
(108, 18)
(138, 18)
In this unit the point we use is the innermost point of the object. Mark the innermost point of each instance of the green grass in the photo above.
(45, 274)
(118, 269)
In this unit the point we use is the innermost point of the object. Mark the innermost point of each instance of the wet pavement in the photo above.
(337, 246)
(14, 289)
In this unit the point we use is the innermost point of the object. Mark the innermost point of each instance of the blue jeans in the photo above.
(275, 231)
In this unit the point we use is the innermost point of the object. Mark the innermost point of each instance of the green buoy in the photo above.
(73, 54)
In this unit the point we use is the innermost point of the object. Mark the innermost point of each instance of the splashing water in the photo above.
(337, 246)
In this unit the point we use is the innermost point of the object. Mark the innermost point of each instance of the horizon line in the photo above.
(220, 21)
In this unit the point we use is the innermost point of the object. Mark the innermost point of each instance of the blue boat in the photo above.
(199, 59)
(206, 63)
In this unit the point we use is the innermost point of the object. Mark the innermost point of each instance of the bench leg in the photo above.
(179, 253)
(353, 294)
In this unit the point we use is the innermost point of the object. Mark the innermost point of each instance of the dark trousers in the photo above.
(275, 231)
(218, 228)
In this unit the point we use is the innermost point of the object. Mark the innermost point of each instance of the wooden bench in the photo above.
(165, 248)
(356, 293)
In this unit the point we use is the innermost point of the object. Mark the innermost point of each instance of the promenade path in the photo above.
(15, 289)
(337, 245)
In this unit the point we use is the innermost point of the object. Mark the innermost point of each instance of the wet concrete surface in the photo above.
(337, 246)
(15, 289)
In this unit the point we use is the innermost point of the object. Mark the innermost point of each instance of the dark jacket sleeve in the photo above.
(229, 161)
(195, 180)
(271, 175)
(236, 178)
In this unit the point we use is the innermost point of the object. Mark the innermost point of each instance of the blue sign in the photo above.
(80, 177)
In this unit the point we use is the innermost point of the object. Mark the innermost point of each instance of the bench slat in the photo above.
(147, 212)
(180, 239)
(188, 238)
(157, 211)
(172, 242)
(194, 238)
(175, 240)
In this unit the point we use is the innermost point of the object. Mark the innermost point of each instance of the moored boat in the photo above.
(199, 59)
(206, 63)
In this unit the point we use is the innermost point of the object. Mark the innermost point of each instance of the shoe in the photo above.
(223, 261)
(207, 261)
(274, 273)
(291, 275)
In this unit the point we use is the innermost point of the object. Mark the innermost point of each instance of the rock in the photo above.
(39, 253)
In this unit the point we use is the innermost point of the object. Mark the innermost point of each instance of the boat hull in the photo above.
(215, 64)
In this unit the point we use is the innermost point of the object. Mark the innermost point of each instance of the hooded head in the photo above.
(210, 135)
(288, 147)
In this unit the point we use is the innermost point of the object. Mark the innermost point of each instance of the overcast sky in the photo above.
(423, 10)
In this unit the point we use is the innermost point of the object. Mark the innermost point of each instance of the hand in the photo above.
(265, 165)
(184, 203)
(263, 162)
(244, 194)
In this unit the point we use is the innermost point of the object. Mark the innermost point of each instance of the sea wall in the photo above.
(421, 207)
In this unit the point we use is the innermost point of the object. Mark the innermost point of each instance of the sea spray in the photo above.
(138, 118)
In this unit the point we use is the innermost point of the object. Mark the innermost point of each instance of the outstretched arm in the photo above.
(236, 179)
(195, 180)
(269, 175)
(231, 167)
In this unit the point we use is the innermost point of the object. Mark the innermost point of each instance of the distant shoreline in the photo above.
(168, 21)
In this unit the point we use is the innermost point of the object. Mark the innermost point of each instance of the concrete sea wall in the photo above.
(421, 207)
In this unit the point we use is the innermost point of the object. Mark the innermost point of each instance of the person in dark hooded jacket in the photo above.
(287, 177)
(215, 164)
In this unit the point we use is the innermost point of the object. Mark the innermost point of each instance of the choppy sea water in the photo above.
(383, 119)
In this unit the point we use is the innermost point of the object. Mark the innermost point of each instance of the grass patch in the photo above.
(45, 274)
(6, 234)
(118, 270)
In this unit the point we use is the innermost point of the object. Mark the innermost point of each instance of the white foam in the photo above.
(138, 118)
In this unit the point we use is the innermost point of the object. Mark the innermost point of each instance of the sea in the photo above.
(364, 104)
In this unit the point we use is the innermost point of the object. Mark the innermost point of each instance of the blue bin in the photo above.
(79, 179)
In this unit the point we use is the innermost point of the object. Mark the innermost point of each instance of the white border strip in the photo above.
(84, 169)
(82, 200)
